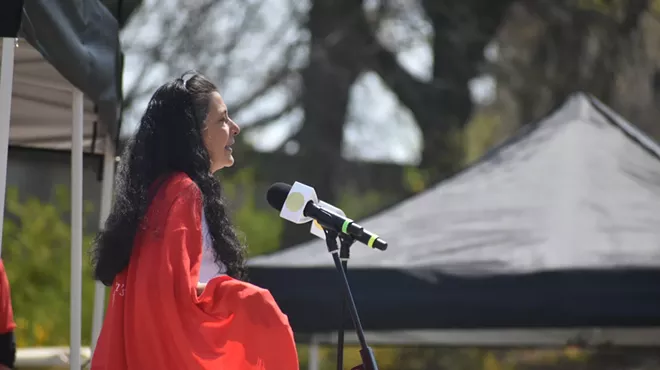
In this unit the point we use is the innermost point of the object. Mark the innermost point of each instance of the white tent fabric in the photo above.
(41, 105)
(554, 229)
(579, 190)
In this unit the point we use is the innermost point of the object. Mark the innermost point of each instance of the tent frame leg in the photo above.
(6, 84)
(76, 228)
(106, 204)
(314, 354)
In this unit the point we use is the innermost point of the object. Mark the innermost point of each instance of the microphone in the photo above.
(298, 204)
(316, 228)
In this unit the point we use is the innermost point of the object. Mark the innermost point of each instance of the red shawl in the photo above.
(155, 320)
(6, 314)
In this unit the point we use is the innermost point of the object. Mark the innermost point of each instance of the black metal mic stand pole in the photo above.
(344, 255)
(366, 353)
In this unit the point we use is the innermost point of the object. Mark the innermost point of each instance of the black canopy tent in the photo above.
(63, 44)
(60, 89)
(552, 235)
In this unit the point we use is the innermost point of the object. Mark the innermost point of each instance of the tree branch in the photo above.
(274, 79)
(249, 16)
(188, 38)
(269, 118)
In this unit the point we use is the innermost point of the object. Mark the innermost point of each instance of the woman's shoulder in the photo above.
(177, 187)
(176, 194)
(179, 184)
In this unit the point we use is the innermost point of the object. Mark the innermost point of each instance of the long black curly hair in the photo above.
(168, 140)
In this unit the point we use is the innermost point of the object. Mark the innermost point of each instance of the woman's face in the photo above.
(219, 133)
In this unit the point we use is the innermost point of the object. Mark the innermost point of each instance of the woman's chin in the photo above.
(229, 160)
(226, 162)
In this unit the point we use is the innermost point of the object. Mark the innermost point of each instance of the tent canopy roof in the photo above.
(62, 45)
(556, 228)
(578, 190)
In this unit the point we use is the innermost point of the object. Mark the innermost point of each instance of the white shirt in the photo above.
(209, 268)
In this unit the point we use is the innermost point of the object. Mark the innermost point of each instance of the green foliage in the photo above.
(260, 226)
(417, 358)
(443, 358)
(611, 8)
(35, 248)
(415, 180)
(615, 9)
(480, 135)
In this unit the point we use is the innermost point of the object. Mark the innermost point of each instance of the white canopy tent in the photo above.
(60, 88)
(549, 239)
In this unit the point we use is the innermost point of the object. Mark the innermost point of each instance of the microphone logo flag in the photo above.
(295, 202)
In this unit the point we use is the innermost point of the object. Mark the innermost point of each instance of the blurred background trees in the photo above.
(387, 97)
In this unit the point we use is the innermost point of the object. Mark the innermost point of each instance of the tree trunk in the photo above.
(333, 68)
(574, 47)
(443, 105)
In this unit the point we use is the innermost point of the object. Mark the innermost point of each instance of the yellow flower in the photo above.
(40, 334)
(21, 322)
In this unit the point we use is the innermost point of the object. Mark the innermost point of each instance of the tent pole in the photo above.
(106, 203)
(6, 81)
(76, 228)
(313, 353)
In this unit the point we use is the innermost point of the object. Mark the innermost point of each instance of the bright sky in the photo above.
(379, 128)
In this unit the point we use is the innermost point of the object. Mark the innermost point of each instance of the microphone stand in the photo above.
(366, 353)
(344, 255)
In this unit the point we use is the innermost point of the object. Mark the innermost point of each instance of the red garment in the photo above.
(155, 320)
(7, 323)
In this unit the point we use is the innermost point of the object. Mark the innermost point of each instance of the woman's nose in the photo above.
(236, 129)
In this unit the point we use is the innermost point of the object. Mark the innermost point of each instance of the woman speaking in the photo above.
(168, 218)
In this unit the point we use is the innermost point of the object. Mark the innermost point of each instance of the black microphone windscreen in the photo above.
(277, 194)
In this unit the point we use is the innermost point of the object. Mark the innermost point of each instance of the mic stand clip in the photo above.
(340, 258)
